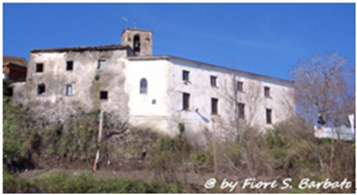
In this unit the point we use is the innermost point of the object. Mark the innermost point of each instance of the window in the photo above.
(269, 116)
(69, 90)
(214, 105)
(136, 43)
(101, 64)
(186, 101)
(39, 67)
(41, 89)
(143, 86)
(185, 75)
(266, 91)
(240, 86)
(241, 113)
(213, 81)
(69, 65)
(103, 95)
(10, 91)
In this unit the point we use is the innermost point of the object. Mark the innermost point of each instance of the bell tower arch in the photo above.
(139, 40)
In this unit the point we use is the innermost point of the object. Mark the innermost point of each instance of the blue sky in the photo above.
(266, 39)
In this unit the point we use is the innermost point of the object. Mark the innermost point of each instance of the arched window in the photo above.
(143, 86)
(136, 43)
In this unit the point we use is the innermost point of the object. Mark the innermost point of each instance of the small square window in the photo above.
(69, 90)
(69, 65)
(267, 91)
(39, 67)
(10, 91)
(101, 64)
(41, 89)
(185, 75)
(103, 95)
(214, 105)
(269, 116)
(240, 86)
(213, 81)
(186, 101)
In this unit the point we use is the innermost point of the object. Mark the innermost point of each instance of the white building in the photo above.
(157, 92)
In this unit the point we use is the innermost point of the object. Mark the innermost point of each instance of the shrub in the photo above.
(14, 134)
(170, 153)
(80, 182)
(34, 140)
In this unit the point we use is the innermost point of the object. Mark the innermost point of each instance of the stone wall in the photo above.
(86, 80)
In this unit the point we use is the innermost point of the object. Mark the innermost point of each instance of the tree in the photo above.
(324, 89)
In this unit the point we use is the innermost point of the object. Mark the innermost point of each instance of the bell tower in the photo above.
(139, 40)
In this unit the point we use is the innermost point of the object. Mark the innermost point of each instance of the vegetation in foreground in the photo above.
(82, 183)
(290, 150)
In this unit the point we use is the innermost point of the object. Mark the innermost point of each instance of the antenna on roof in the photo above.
(134, 23)
(123, 18)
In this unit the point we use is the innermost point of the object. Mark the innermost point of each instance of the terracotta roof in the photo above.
(19, 61)
(81, 48)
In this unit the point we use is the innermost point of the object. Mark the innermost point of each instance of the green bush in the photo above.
(34, 140)
(82, 183)
(6, 89)
(14, 133)
(197, 158)
(12, 183)
(169, 154)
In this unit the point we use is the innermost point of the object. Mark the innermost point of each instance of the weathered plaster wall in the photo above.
(199, 118)
(161, 108)
(19, 89)
(54, 105)
(281, 100)
(166, 86)
(150, 109)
